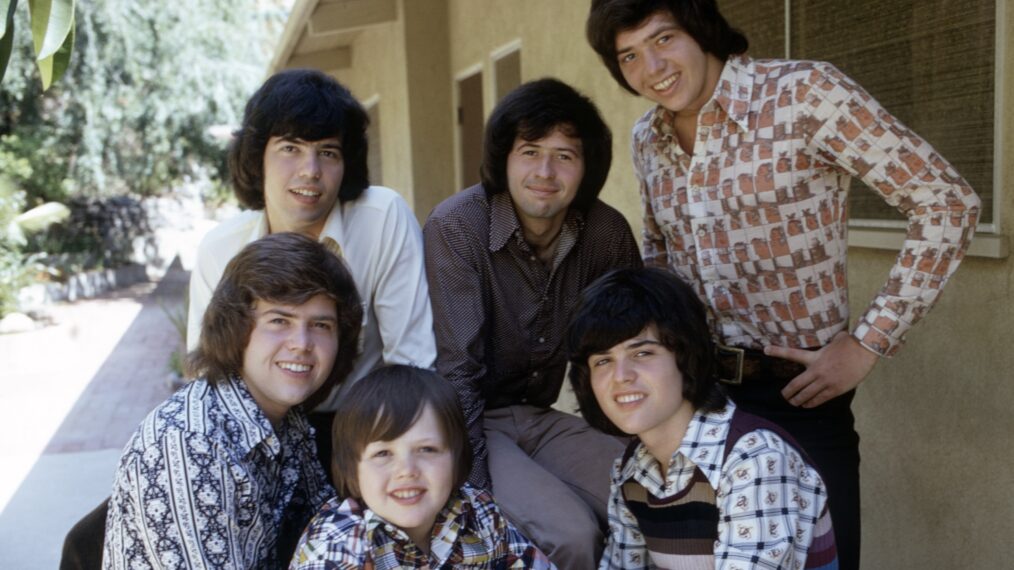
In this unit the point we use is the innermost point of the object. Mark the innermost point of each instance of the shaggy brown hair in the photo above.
(383, 406)
(285, 268)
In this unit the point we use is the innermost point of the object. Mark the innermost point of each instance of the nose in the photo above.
(652, 62)
(623, 372)
(311, 166)
(406, 468)
(300, 340)
(545, 168)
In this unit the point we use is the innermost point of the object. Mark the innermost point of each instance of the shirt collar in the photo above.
(504, 223)
(733, 95)
(703, 445)
(255, 428)
(450, 522)
(333, 225)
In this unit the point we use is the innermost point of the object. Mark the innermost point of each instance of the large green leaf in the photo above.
(7, 35)
(54, 66)
(52, 21)
(7, 8)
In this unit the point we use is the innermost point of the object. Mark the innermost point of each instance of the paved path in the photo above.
(70, 396)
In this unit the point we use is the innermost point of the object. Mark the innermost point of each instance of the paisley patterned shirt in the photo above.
(470, 532)
(771, 503)
(756, 218)
(206, 482)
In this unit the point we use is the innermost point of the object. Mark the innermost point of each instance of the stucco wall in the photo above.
(936, 421)
(378, 75)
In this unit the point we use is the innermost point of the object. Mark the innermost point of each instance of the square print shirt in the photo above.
(756, 217)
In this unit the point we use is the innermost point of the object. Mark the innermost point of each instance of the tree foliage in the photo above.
(52, 33)
(147, 80)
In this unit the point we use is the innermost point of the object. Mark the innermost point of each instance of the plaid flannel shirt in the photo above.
(470, 532)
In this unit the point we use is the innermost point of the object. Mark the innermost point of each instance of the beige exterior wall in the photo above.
(377, 76)
(936, 421)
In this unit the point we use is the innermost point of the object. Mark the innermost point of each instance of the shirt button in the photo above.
(701, 232)
(542, 339)
(532, 258)
(524, 400)
(535, 374)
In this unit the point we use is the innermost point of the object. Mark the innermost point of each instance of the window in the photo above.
(931, 63)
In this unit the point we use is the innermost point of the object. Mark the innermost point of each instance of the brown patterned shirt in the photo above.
(499, 313)
(756, 218)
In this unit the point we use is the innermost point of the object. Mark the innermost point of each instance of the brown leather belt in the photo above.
(738, 365)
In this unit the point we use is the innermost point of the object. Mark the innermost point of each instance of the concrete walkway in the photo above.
(71, 394)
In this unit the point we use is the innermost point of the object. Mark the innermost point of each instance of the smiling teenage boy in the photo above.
(505, 261)
(299, 163)
(703, 484)
(744, 168)
(225, 474)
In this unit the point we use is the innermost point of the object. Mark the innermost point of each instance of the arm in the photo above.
(769, 501)
(180, 508)
(401, 299)
(862, 139)
(456, 291)
(201, 289)
(652, 241)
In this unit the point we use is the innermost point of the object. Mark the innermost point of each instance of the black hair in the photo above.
(301, 104)
(699, 18)
(532, 111)
(619, 306)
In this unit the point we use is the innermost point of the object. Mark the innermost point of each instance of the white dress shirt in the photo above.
(381, 243)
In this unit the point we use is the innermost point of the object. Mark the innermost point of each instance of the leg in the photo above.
(321, 422)
(576, 453)
(539, 504)
(82, 549)
(827, 434)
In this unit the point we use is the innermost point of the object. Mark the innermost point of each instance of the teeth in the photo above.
(305, 192)
(407, 493)
(294, 367)
(628, 398)
(664, 84)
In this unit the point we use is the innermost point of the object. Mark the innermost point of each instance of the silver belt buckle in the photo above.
(739, 354)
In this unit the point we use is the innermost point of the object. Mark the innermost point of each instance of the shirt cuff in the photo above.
(881, 331)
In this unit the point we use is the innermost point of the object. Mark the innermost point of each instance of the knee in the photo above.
(576, 544)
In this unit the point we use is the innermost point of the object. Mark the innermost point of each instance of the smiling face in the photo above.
(640, 389)
(543, 177)
(301, 183)
(290, 353)
(408, 480)
(663, 63)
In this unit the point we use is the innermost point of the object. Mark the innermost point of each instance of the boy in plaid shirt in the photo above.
(402, 460)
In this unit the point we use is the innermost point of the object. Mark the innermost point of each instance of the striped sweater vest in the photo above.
(680, 531)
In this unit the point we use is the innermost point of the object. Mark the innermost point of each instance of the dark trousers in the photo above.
(827, 434)
(82, 549)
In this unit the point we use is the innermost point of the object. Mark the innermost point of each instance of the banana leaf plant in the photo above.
(52, 34)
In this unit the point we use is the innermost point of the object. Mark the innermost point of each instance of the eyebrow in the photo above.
(668, 26)
(299, 140)
(292, 315)
(533, 144)
(635, 344)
